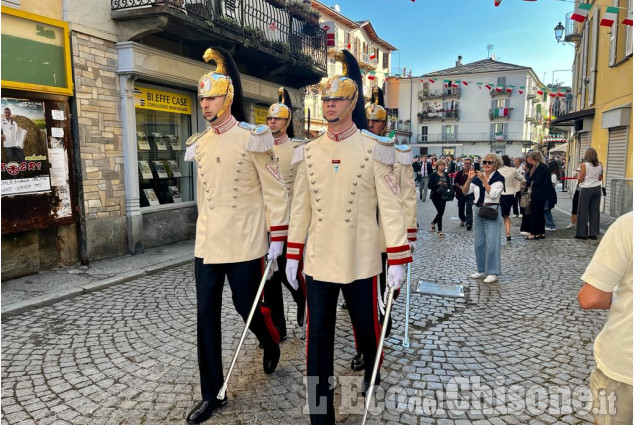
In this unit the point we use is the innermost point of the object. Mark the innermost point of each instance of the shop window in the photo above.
(164, 176)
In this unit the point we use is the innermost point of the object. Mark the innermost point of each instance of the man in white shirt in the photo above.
(609, 286)
(12, 138)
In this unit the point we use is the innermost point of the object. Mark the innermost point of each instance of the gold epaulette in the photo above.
(194, 137)
(384, 150)
(260, 139)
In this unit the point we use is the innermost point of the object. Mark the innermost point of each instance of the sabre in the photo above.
(406, 340)
(380, 346)
(223, 390)
(306, 308)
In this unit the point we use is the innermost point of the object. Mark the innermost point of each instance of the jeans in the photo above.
(465, 203)
(423, 187)
(487, 243)
(549, 217)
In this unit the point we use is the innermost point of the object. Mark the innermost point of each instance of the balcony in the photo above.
(531, 95)
(472, 137)
(440, 115)
(572, 30)
(501, 91)
(365, 62)
(449, 93)
(500, 113)
(264, 40)
(400, 126)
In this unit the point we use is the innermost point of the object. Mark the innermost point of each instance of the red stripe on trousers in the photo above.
(376, 320)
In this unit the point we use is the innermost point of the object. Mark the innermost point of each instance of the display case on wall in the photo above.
(163, 125)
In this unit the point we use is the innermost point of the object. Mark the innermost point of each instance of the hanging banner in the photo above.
(25, 165)
(158, 100)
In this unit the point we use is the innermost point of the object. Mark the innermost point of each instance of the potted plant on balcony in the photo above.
(313, 17)
(298, 9)
(277, 3)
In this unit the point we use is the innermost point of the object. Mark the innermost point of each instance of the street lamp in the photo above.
(559, 30)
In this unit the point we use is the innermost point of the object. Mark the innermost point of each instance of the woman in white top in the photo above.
(513, 183)
(590, 180)
(487, 187)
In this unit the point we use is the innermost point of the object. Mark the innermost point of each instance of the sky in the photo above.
(431, 34)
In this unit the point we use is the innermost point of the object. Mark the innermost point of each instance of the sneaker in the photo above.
(515, 216)
(491, 278)
(570, 226)
(525, 233)
(477, 275)
(551, 229)
(469, 227)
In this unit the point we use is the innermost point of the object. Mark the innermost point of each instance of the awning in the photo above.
(431, 145)
(559, 148)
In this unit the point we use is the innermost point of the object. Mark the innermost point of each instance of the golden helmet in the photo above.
(345, 86)
(375, 110)
(279, 109)
(216, 83)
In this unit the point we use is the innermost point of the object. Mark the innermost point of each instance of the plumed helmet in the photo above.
(375, 110)
(282, 109)
(347, 86)
(223, 81)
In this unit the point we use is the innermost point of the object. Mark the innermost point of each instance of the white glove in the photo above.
(292, 273)
(396, 275)
(412, 245)
(275, 250)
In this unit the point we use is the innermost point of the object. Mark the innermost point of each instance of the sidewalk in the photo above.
(50, 286)
(564, 206)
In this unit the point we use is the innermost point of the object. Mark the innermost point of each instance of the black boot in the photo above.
(366, 382)
(357, 363)
(204, 409)
(270, 358)
(300, 314)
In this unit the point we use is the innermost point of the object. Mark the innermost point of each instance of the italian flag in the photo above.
(500, 112)
(521, 90)
(628, 20)
(464, 82)
(497, 2)
(499, 88)
(552, 94)
(510, 89)
(455, 83)
(432, 80)
(561, 93)
(371, 75)
(581, 12)
(609, 16)
(373, 56)
(489, 87)
(446, 83)
(541, 91)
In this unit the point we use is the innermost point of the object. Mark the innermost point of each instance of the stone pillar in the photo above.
(131, 170)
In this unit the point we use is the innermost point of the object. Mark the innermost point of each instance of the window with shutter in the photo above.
(443, 135)
(501, 81)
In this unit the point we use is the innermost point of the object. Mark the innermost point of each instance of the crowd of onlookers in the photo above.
(519, 187)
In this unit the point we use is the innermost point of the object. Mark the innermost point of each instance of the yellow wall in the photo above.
(613, 87)
(50, 8)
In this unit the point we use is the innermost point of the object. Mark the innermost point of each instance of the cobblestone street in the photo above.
(127, 354)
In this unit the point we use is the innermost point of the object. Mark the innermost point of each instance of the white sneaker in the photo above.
(551, 229)
(477, 275)
(524, 233)
(515, 216)
(570, 226)
(491, 278)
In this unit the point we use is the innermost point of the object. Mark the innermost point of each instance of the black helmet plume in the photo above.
(237, 108)
(354, 73)
(378, 97)
(287, 102)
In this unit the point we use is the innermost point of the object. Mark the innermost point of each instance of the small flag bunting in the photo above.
(488, 87)
(521, 90)
(510, 89)
(464, 82)
(628, 20)
(609, 17)
(581, 12)
(497, 2)
(432, 80)
(541, 91)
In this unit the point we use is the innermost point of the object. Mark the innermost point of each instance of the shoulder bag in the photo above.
(488, 213)
(525, 200)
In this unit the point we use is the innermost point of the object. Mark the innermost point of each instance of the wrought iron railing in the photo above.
(472, 137)
(440, 94)
(261, 24)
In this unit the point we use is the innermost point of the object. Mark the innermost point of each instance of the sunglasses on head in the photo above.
(487, 162)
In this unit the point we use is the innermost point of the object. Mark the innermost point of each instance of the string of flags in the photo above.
(582, 12)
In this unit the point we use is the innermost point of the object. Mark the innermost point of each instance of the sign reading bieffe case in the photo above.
(159, 100)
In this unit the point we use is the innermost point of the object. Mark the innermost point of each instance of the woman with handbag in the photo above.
(439, 184)
(539, 179)
(487, 187)
(590, 180)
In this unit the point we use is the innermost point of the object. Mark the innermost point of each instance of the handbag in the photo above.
(525, 199)
(488, 213)
(447, 194)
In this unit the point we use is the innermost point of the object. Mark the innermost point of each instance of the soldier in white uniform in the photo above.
(236, 186)
(280, 122)
(343, 176)
(377, 122)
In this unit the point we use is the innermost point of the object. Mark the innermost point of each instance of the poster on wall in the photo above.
(25, 166)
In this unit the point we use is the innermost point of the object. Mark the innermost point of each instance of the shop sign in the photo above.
(261, 115)
(158, 100)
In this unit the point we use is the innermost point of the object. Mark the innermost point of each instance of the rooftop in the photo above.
(479, 67)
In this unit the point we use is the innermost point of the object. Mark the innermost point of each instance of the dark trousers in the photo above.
(537, 217)
(465, 203)
(588, 223)
(516, 202)
(361, 299)
(14, 154)
(439, 204)
(243, 278)
(273, 293)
